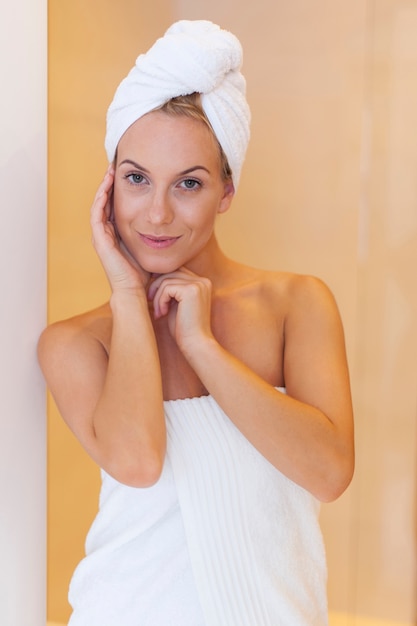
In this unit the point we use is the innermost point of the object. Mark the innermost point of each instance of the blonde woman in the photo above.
(214, 396)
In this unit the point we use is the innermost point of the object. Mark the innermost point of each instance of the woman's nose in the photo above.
(160, 210)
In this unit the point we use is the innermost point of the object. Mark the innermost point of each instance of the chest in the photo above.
(249, 328)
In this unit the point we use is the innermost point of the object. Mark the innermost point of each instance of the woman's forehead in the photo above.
(159, 132)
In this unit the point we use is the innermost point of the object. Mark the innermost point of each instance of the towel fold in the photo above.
(193, 56)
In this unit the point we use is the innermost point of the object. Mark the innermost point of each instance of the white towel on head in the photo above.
(193, 56)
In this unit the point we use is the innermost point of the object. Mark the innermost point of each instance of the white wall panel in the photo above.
(23, 42)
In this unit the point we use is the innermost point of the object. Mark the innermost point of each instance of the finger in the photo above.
(167, 291)
(180, 289)
(106, 183)
(101, 207)
(157, 281)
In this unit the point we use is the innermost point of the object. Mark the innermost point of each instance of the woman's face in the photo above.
(168, 190)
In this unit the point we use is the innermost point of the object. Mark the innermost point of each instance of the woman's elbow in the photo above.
(338, 479)
(139, 473)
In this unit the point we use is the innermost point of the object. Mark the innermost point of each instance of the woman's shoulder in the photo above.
(287, 285)
(89, 322)
(301, 294)
(282, 295)
(89, 329)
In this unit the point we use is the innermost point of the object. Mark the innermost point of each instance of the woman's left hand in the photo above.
(185, 298)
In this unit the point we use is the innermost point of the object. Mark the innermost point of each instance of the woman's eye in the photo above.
(135, 178)
(190, 183)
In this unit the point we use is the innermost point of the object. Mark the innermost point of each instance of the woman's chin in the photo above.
(160, 267)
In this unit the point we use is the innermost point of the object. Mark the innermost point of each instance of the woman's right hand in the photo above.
(122, 271)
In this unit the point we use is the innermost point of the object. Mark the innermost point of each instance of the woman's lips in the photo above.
(158, 243)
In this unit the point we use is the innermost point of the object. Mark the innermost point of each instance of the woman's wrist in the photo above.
(202, 352)
(123, 298)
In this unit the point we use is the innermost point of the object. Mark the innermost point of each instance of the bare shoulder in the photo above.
(65, 339)
(308, 297)
(315, 365)
(307, 310)
(295, 293)
(295, 286)
(285, 295)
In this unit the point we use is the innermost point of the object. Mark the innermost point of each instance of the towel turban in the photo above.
(192, 56)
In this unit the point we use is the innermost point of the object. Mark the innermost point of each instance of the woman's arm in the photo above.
(112, 401)
(308, 433)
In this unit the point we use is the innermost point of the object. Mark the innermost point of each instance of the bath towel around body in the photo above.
(222, 539)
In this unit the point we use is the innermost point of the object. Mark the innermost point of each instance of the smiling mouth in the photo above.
(158, 242)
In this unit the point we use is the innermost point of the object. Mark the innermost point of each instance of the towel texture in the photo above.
(253, 535)
(223, 538)
(192, 56)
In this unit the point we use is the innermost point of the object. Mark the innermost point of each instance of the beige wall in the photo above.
(329, 188)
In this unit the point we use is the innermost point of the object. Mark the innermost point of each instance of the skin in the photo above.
(184, 320)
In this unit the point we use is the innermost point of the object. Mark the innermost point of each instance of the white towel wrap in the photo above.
(253, 535)
(193, 56)
(222, 539)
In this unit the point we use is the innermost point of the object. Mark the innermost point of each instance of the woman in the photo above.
(214, 396)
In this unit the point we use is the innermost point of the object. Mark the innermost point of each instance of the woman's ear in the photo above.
(229, 192)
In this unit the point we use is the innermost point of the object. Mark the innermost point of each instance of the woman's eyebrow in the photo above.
(130, 162)
(192, 169)
(183, 173)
